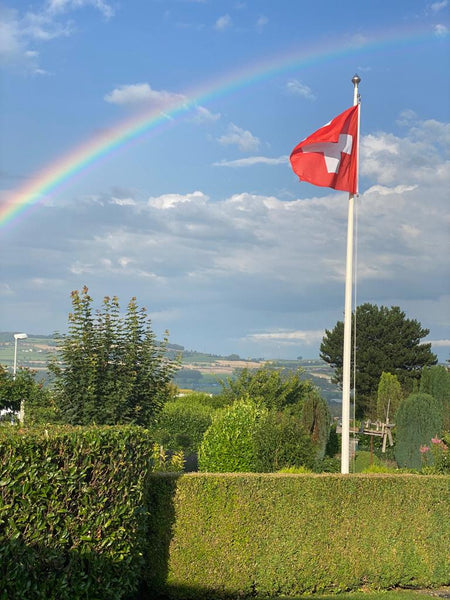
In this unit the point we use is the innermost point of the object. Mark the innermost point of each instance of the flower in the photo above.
(424, 449)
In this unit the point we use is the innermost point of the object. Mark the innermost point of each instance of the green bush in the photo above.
(242, 535)
(228, 444)
(436, 382)
(182, 423)
(72, 517)
(418, 419)
(364, 460)
(280, 440)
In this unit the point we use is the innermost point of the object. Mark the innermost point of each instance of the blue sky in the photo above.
(202, 219)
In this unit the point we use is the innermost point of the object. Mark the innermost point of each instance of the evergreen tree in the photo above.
(110, 369)
(436, 382)
(418, 420)
(386, 341)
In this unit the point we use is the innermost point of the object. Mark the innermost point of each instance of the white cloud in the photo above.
(291, 338)
(420, 156)
(253, 160)
(439, 343)
(173, 200)
(243, 139)
(438, 6)
(19, 32)
(141, 94)
(440, 30)
(223, 23)
(62, 6)
(203, 115)
(298, 88)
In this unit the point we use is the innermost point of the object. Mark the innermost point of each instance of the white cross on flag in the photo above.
(328, 157)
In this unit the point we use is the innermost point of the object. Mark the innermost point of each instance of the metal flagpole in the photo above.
(345, 451)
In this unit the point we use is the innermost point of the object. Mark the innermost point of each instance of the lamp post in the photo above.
(19, 336)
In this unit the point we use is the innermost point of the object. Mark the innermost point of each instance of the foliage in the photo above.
(37, 399)
(435, 457)
(316, 421)
(269, 387)
(328, 464)
(363, 460)
(228, 444)
(436, 382)
(389, 396)
(266, 535)
(182, 423)
(72, 519)
(418, 419)
(280, 440)
(110, 369)
(160, 462)
(386, 341)
(295, 470)
(333, 446)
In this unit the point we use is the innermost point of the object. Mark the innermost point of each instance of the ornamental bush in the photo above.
(228, 444)
(280, 441)
(182, 423)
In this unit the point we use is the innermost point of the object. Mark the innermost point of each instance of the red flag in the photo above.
(328, 157)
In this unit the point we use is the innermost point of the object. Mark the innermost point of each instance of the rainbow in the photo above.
(49, 179)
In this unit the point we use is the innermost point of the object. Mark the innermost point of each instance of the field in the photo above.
(200, 371)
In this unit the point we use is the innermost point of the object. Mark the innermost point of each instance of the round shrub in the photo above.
(182, 423)
(281, 441)
(228, 444)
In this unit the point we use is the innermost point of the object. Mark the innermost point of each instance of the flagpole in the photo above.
(345, 450)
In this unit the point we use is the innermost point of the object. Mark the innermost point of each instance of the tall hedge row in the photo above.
(220, 535)
(72, 518)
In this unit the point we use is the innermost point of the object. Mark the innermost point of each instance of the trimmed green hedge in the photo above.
(221, 535)
(72, 517)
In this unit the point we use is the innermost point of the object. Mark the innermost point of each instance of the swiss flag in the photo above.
(328, 157)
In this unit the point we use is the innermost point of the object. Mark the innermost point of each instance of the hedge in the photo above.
(241, 535)
(72, 518)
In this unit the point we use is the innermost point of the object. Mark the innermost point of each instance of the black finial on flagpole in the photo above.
(356, 79)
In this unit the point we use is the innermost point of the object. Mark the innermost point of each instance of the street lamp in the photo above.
(19, 336)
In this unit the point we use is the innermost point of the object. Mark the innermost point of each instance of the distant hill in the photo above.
(200, 371)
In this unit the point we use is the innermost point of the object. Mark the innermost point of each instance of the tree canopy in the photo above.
(110, 369)
(386, 341)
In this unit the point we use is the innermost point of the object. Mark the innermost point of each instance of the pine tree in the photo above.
(386, 341)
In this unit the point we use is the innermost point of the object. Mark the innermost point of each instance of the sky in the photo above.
(145, 150)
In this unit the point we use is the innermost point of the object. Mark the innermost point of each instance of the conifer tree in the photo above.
(386, 341)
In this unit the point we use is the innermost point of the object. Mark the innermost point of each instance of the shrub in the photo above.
(228, 444)
(72, 518)
(280, 440)
(436, 382)
(182, 423)
(364, 460)
(418, 419)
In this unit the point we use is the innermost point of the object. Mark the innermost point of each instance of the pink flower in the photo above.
(435, 440)
(423, 449)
